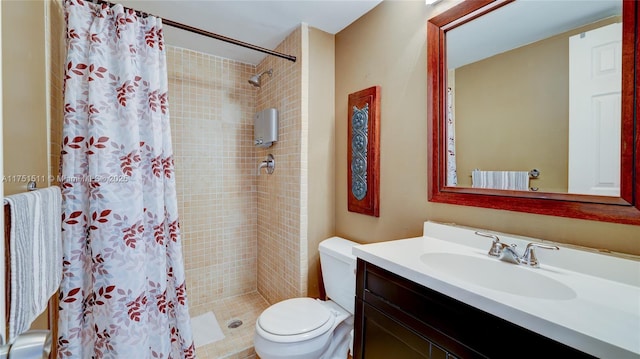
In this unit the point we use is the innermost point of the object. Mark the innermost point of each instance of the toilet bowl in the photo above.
(307, 328)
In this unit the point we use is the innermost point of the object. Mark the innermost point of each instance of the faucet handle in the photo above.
(269, 163)
(529, 257)
(496, 245)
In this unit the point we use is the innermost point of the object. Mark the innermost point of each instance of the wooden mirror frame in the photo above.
(624, 209)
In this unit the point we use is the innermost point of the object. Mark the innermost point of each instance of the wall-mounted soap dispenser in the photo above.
(265, 128)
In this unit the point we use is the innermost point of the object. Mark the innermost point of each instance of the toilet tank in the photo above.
(339, 271)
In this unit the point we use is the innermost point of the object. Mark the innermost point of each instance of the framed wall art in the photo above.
(363, 152)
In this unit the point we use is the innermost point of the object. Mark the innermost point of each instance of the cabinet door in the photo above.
(463, 330)
(385, 338)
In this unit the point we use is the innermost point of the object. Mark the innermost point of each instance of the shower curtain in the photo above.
(123, 290)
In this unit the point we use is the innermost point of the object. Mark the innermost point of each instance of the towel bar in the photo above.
(31, 186)
(533, 174)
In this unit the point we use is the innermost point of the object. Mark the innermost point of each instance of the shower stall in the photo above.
(241, 248)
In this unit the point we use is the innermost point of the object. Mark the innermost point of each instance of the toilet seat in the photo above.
(295, 320)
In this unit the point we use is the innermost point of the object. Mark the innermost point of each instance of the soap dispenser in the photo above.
(265, 129)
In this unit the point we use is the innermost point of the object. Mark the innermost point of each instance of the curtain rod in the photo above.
(211, 34)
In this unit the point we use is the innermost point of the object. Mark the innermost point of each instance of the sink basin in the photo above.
(497, 275)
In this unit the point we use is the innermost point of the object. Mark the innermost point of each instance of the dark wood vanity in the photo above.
(398, 318)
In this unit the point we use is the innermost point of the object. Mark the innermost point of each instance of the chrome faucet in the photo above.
(508, 253)
(269, 163)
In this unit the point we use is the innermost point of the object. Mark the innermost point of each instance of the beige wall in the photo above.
(212, 108)
(387, 47)
(25, 136)
(321, 150)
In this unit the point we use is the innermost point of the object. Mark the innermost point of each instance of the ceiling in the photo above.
(264, 23)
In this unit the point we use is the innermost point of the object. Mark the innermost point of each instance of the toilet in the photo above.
(307, 328)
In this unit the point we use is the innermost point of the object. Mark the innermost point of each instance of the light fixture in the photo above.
(431, 2)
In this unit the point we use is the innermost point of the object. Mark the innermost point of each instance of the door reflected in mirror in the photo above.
(536, 85)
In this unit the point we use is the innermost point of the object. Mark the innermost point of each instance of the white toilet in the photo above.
(306, 328)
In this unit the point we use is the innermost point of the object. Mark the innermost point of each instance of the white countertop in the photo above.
(603, 319)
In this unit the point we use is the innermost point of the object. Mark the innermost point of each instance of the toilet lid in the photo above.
(294, 316)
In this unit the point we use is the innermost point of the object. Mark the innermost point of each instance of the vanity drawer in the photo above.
(388, 338)
(461, 329)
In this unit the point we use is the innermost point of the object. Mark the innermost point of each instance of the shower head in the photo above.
(255, 79)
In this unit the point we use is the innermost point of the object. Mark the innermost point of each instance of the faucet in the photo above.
(508, 253)
(269, 163)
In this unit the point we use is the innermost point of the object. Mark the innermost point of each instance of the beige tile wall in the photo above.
(212, 107)
(224, 207)
(282, 251)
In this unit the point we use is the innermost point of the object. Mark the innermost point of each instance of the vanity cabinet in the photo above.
(398, 318)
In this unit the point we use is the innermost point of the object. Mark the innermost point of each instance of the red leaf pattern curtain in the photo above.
(123, 291)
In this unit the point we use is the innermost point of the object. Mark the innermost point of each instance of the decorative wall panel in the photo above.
(363, 152)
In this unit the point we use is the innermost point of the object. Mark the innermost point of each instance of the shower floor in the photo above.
(238, 342)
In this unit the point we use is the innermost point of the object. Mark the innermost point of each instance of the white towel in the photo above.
(35, 247)
(508, 180)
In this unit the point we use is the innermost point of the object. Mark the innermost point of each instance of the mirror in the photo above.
(520, 98)
(482, 56)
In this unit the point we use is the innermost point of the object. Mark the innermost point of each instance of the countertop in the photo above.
(603, 319)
